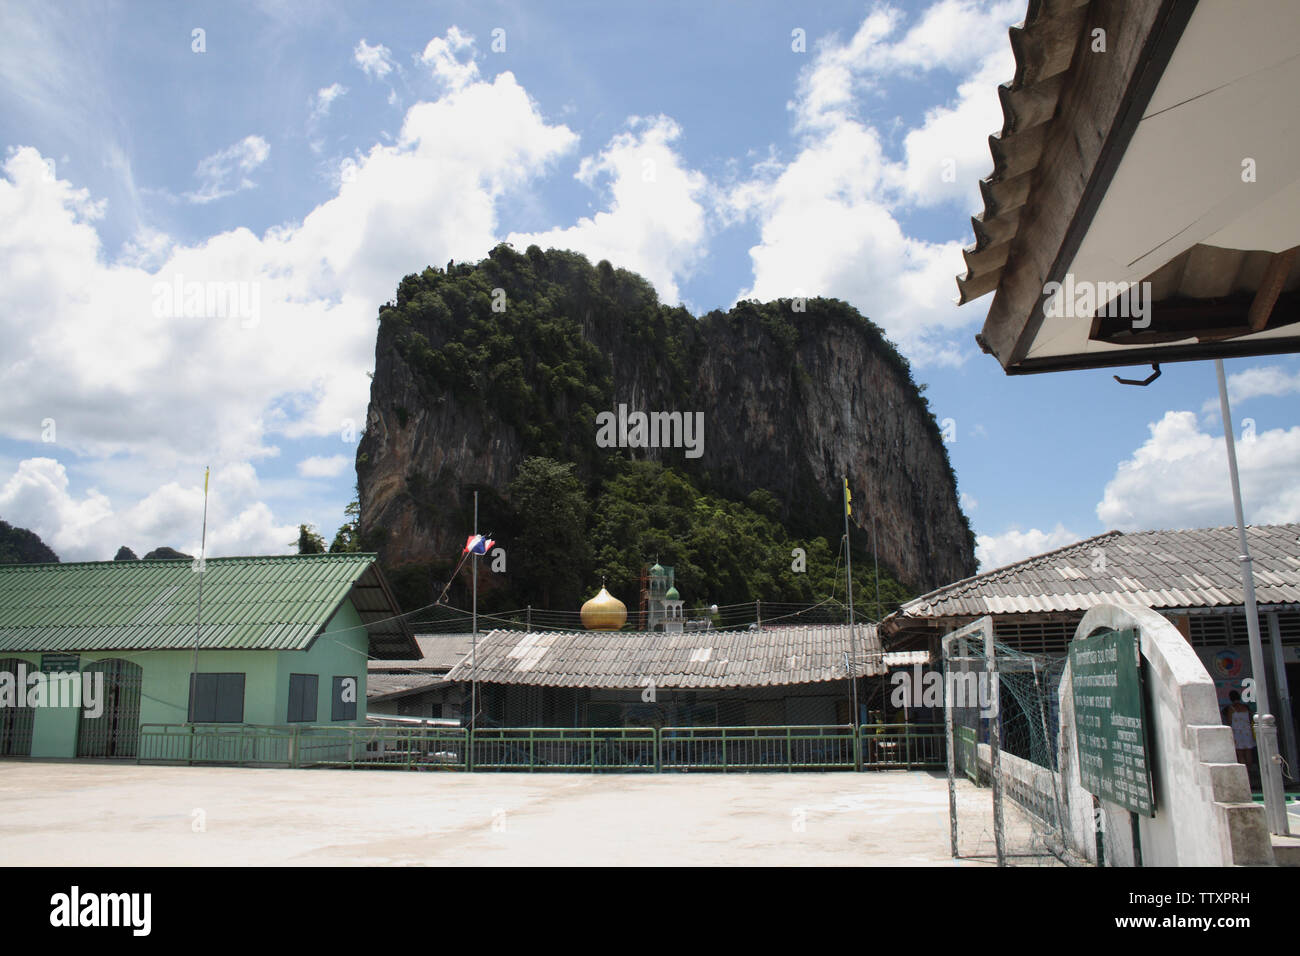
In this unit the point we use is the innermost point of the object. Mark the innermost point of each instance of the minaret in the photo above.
(660, 580)
(675, 623)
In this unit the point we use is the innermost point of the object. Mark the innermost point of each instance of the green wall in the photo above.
(339, 651)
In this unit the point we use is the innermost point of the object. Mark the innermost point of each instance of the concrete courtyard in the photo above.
(91, 814)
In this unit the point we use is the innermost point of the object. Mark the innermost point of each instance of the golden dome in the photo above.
(604, 612)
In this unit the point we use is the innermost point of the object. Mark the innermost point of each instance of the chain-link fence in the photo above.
(1002, 723)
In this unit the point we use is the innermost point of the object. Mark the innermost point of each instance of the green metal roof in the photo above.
(259, 603)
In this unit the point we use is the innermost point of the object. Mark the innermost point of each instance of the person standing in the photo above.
(1237, 715)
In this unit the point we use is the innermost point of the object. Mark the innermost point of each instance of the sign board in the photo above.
(60, 663)
(1110, 719)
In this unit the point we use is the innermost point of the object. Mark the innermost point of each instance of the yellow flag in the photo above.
(848, 499)
(205, 481)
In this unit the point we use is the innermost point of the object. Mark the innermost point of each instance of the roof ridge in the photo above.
(1015, 566)
(206, 560)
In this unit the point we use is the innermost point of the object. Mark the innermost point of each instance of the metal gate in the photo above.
(116, 731)
(16, 721)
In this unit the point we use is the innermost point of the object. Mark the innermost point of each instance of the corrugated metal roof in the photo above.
(438, 652)
(906, 658)
(1160, 569)
(618, 659)
(255, 603)
(388, 685)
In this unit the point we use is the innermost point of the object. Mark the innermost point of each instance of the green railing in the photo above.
(303, 745)
(556, 748)
(965, 752)
(234, 744)
(590, 749)
(757, 748)
(887, 746)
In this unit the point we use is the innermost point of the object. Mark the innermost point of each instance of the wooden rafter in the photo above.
(1270, 287)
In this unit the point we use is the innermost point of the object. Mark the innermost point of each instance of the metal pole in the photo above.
(853, 641)
(875, 559)
(1040, 691)
(1270, 770)
(198, 620)
(995, 745)
(473, 638)
(949, 735)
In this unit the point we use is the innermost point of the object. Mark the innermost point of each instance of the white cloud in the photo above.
(1178, 478)
(325, 98)
(1263, 381)
(88, 528)
(656, 220)
(226, 172)
(968, 502)
(831, 218)
(999, 550)
(319, 466)
(376, 61)
(440, 56)
(143, 397)
(948, 154)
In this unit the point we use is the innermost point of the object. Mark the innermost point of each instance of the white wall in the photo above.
(1204, 814)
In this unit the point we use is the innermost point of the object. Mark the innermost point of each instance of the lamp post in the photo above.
(1270, 769)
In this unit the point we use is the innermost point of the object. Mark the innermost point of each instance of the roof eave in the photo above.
(1074, 169)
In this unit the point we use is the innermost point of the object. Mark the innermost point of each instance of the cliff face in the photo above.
(790, 401)
(842, 410)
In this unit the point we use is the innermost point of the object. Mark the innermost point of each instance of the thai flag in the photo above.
(477, 544)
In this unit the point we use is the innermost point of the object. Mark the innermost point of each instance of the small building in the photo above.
(767, 676)
(419, 687)
(90, 652)
(1192, 577)
(661, 602)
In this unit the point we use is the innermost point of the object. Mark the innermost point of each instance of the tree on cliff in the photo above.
(550, 546)
(347, 540)
(167, 554)
(20, 546)
(309, 542)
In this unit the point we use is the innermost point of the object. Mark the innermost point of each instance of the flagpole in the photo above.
(198, 622)
(848, 565)
(473, 676)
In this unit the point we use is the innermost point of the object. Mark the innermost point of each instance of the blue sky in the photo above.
(312, 160)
